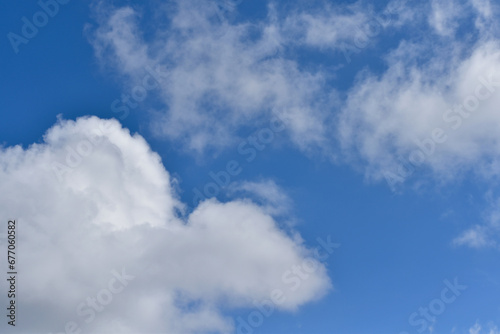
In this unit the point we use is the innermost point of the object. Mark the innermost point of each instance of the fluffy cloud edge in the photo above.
(110, 210)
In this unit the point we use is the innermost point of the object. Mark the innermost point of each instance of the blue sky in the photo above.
(344, 96)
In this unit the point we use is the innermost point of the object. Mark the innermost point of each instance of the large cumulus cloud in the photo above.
(95, 205)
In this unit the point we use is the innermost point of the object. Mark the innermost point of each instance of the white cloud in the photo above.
(478, 329)
(475, 329)
(444, 16)
(483, 7)
(485, 11)
(224, 75)
(475, 237)
(486, 235)
(447, 16)
(327, 27)
(335, 27)
(221, 75)
(433, 110)
(389, 118)
(272, 198)
(116, 209)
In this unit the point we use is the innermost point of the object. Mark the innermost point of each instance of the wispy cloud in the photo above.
(487, 234)
(222, 76)
(431, 108)
(478, 329)
(273, 199)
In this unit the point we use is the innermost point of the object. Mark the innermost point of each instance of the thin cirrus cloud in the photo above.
(439, 94)
(478, 329)
(266, 192)
(445, 16)
(220, 76)
(224, 75)
(486, 235)
(432, 108)
(98, 203)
